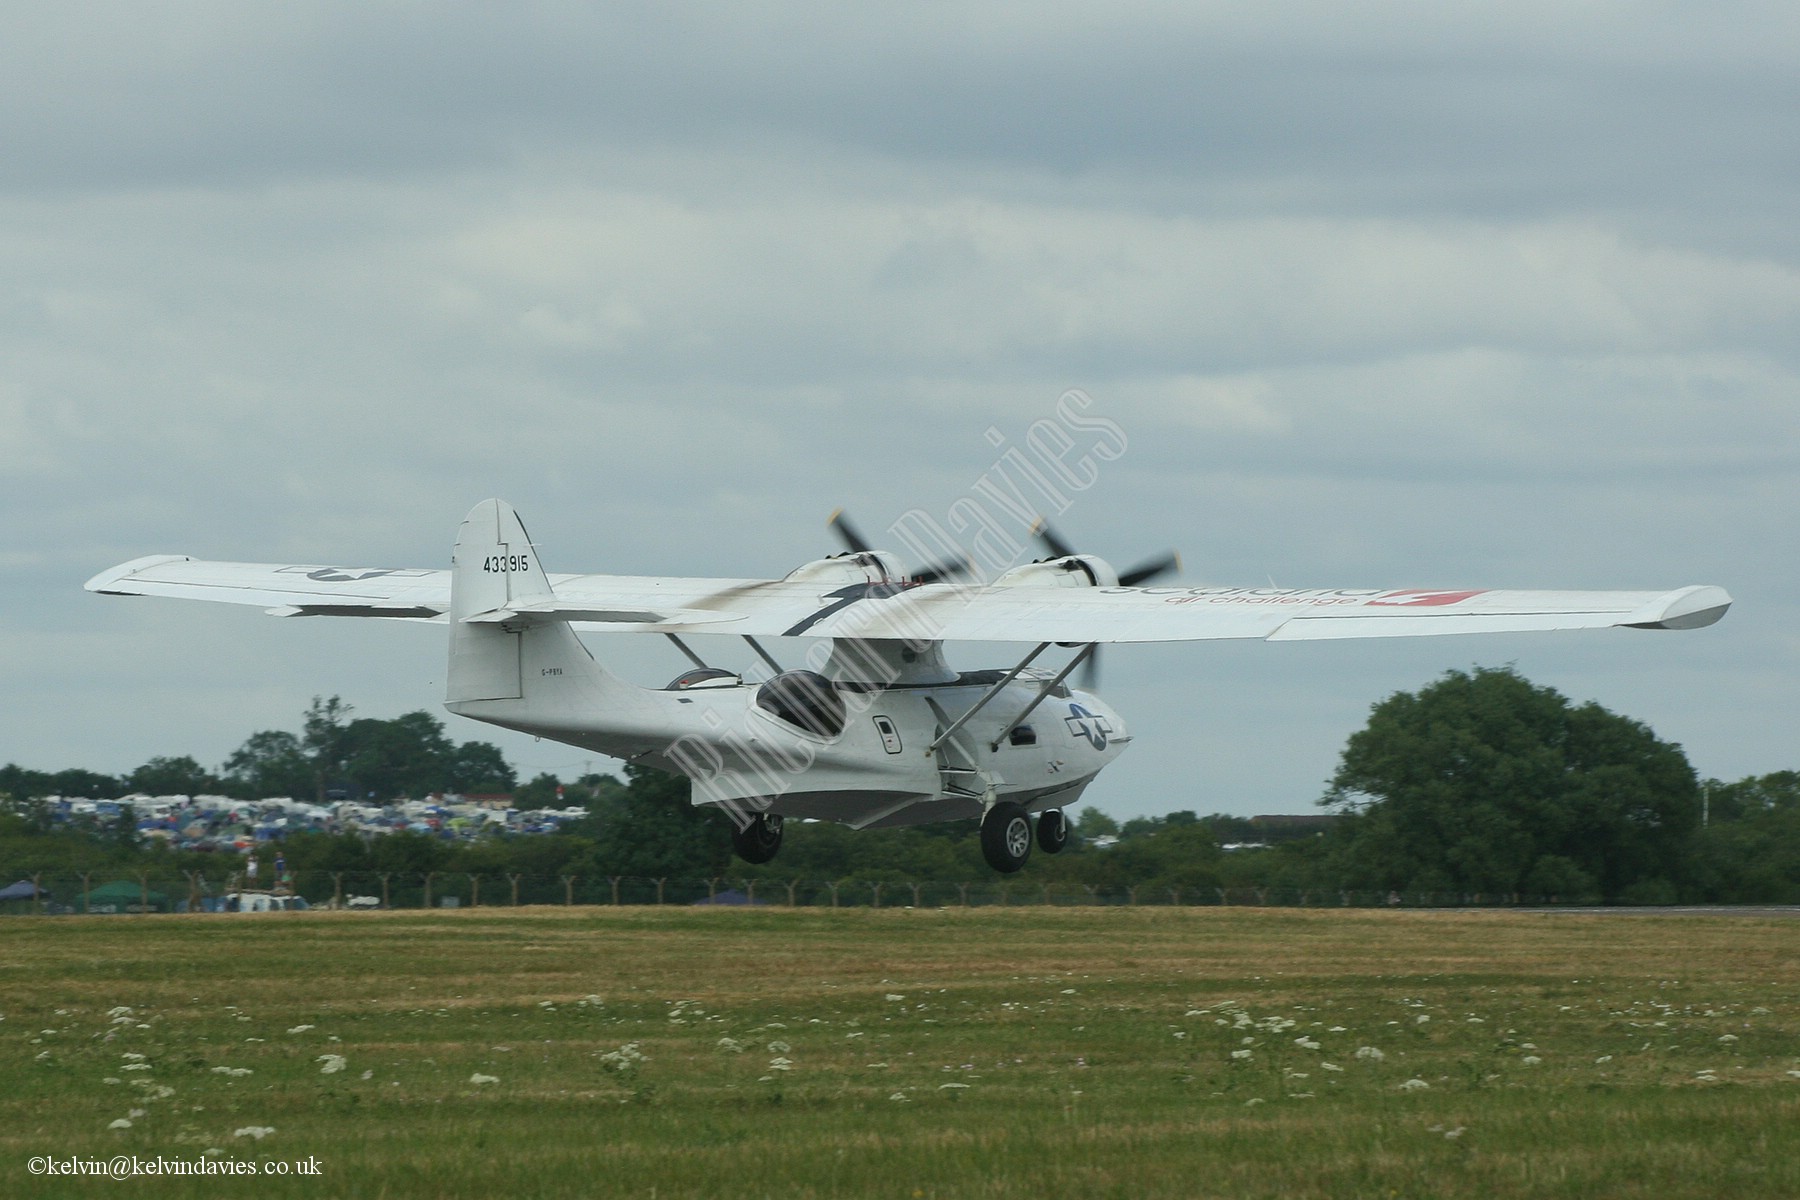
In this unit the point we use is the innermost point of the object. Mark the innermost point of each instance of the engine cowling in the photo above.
(842, 570)
(1068, 571)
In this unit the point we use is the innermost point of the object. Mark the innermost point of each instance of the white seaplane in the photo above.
(878, 729)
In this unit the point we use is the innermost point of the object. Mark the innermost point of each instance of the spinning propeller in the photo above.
(1088, 674)
(935, 573)
(1145, 571)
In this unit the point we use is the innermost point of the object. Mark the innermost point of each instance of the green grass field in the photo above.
(910, 1053)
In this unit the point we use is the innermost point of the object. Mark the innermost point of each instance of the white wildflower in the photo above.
(731, 1045)
(234, 1072)
(900, 1096)
(121, 1123)
(948, 1086)
(1370, 1053)
(133, 1056)
(623, 1060)
(781, 1064)
(1306, 1043)
(333, 1063)
(479, 1078)
(1603, 1059)
(894, 997)
(1242, 1055)
(1330, 1067)
(111, 1079)
(1414, 1085)
(259, 1132)
(300, 1028)
(1531, 1060)
(1728, 1038)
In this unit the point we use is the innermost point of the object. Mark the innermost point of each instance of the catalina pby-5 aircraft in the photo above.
(878, 729)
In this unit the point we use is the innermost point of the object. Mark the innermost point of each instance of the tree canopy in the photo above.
(1485, 783)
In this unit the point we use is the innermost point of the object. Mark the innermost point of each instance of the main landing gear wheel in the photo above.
(758, 841)
(1053, 831)
(1006, 837)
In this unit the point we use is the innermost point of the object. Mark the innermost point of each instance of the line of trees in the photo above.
(1479, 787)
(335, 755)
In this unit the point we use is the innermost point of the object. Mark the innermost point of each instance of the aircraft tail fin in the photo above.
(494, 567)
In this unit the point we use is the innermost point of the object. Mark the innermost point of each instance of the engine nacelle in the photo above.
(1071, 570)
(852, 567)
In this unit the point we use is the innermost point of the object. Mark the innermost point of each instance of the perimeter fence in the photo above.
(130, 891)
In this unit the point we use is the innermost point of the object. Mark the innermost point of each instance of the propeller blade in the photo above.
(1057, 547)
(840, 524)
(955, 568)
(1087, 675)
(935, 573)
(1168, 564)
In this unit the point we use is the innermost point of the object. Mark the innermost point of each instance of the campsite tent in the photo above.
(731, 897)
(23, 890)
(122, 897)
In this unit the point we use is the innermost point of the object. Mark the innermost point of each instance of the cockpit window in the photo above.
(805, 700)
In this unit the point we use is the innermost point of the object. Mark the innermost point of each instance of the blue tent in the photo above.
(23, 890)
(732, 897)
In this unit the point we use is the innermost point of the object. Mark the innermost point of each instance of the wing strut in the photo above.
(683, 647)
(1049, 686)
(757, 646)
(990, 694)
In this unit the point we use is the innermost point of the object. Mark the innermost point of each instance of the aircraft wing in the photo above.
(928, 612)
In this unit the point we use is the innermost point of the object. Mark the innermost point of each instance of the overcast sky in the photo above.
(1386, 294)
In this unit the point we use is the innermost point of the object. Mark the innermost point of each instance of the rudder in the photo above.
(493, 566)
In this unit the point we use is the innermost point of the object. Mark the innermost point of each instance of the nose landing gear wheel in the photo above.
(1053, 831)
(1006, 837)
(758, 841)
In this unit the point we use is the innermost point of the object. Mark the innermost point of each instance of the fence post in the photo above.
(659, 889)
(386, 904)
(834, 891)
(337, 889)
(568, 891)
(515, 889)
(793, 886)
(962, 890)
(614, 880)
(428, 878)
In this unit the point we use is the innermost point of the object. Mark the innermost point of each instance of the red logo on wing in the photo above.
(1421, 598)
